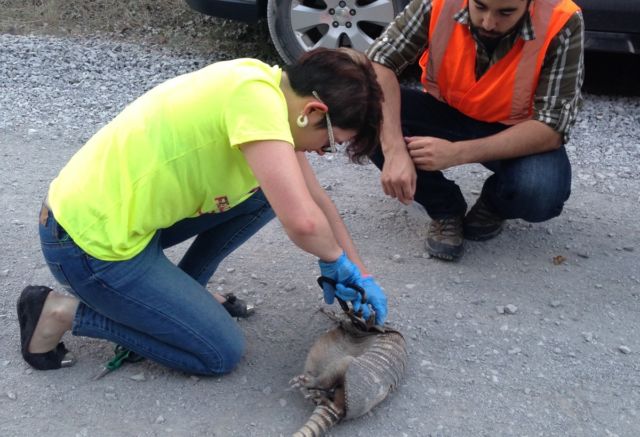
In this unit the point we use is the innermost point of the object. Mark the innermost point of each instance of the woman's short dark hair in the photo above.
(346, 82)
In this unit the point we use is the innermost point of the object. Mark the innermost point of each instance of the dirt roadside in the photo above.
(555, 367)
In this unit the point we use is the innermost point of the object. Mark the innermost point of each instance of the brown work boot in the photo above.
(481, 222)
(444, 238)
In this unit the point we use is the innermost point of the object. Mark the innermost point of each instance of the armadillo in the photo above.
(347, 372)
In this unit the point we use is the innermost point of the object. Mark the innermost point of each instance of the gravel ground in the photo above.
(505, 342)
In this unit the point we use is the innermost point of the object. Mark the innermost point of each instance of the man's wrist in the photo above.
(462, 153)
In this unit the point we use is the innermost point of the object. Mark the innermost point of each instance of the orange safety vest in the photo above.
(505, 92)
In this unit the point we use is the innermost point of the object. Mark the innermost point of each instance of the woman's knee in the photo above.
(229, 352)
(232, 356)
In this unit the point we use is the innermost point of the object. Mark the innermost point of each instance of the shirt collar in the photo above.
(526, 31)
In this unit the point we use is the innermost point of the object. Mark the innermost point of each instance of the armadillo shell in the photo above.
(374, 374)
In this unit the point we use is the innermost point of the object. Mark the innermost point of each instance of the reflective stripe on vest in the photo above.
(505, 92)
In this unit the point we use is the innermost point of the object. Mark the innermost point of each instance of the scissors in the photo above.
(356, 318)
(123, 355)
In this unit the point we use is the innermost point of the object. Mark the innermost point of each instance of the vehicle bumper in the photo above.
(612, 42)
(248, 11)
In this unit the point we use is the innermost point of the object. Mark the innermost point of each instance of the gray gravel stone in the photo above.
(510, 309)
(624, 349)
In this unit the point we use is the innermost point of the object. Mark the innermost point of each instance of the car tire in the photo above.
(297, 26)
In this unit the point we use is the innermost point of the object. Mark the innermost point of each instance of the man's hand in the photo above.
(430, 153)
(398, 176)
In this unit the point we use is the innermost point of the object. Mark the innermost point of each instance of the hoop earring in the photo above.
(302, 120)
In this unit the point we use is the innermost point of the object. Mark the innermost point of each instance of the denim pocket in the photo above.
(63, 237)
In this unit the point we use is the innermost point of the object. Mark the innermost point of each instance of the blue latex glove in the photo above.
(375, 298)
(343, 271)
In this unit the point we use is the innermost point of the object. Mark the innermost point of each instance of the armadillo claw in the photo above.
(299, 381)
(318, 397)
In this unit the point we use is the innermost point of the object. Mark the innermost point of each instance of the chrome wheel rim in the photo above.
(339, 23)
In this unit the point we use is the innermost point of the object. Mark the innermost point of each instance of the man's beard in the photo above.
(489, 40)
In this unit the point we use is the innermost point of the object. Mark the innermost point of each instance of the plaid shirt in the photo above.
(557, 96)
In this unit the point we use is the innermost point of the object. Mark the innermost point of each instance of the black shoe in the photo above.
(29, 307)
(237, 307)
(444, 238)
(481, 222)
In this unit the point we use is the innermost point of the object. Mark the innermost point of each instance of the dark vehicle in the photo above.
(297, 26)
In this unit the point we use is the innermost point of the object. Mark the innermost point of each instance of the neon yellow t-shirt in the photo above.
(169, 155)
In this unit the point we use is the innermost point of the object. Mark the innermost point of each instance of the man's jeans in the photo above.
(533, 188)
(150, 305)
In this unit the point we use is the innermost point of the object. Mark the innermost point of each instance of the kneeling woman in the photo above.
(211, 154)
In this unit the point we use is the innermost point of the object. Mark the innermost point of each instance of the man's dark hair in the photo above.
(346, 82)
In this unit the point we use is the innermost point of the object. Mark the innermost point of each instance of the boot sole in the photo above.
(447, 253)
(483, 236)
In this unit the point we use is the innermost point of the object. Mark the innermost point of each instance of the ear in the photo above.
(314, 105)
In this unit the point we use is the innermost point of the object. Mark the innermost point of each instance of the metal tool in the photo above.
(356, 318)
(122, 355)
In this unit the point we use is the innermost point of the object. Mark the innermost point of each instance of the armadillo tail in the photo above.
(322, 418)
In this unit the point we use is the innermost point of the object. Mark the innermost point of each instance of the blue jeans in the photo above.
(533, 188)
(151, 306)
